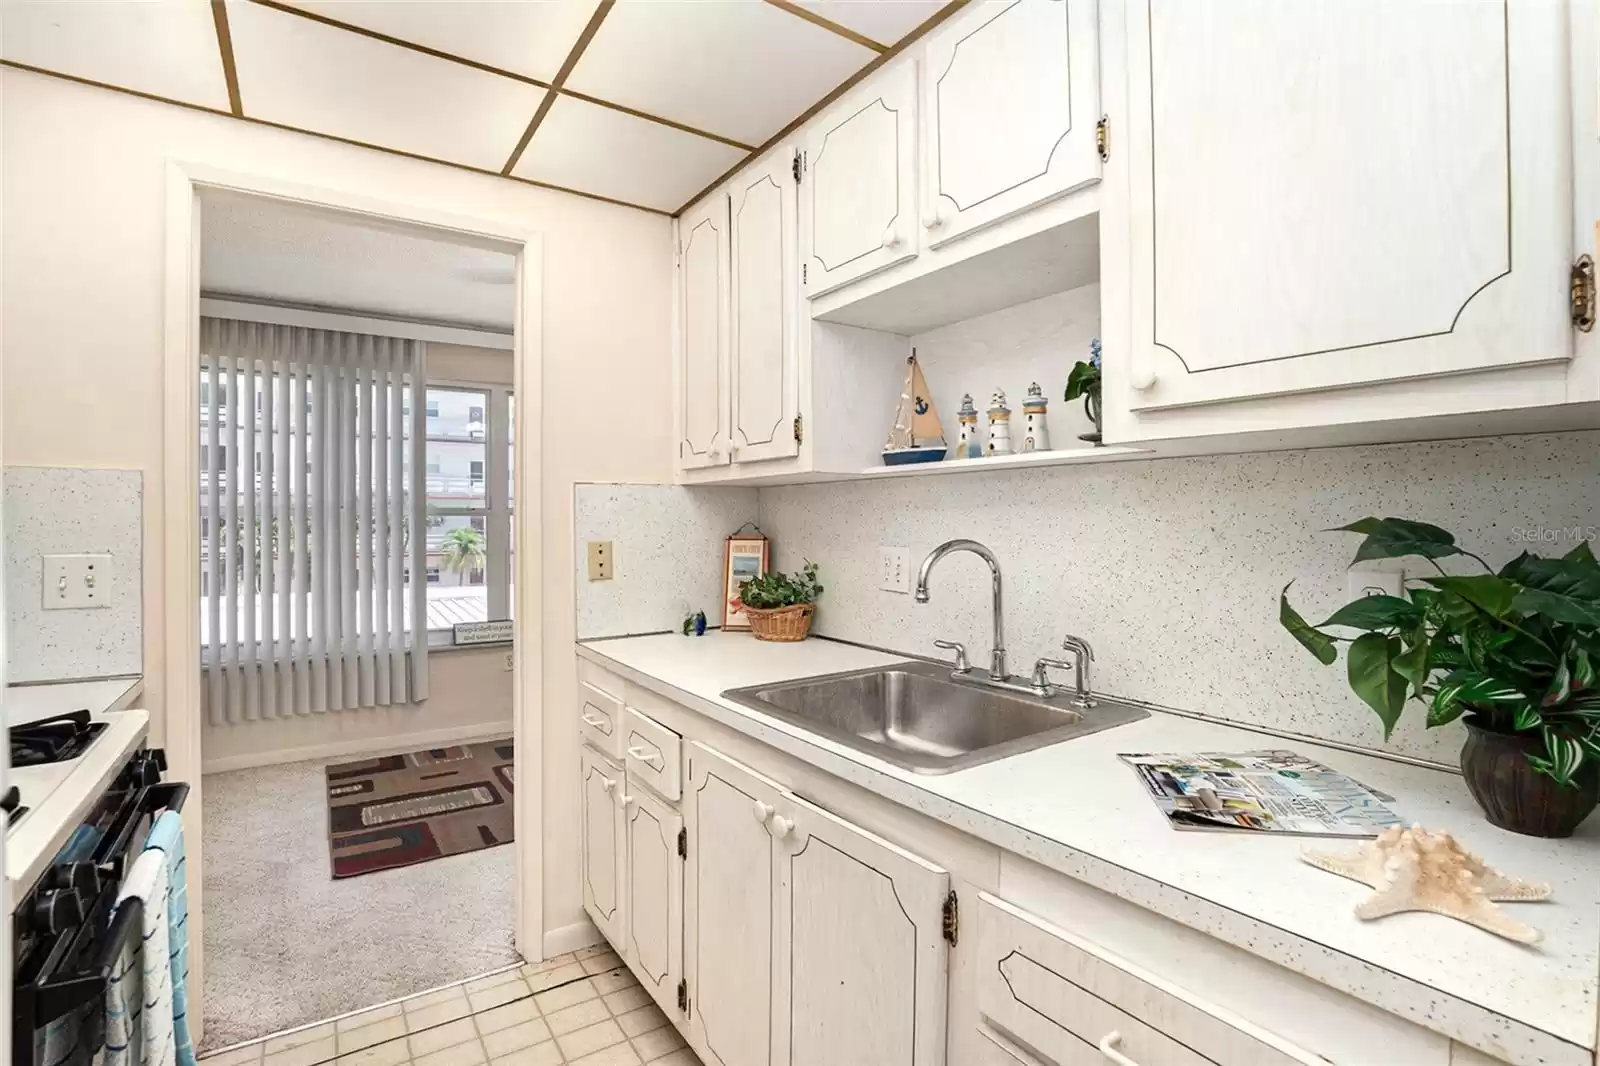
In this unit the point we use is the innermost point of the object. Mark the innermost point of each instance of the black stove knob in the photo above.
(58, 910)
(81, 877)
(11, 800)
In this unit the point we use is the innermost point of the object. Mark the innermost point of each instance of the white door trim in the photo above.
(180, 471)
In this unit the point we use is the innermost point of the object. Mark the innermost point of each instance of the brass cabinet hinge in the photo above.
(683, 843)
(803, 274)
(1583, 293)
(683, 997)
(799, 430)
(1102, 137)
(951, 918)
(796, 168)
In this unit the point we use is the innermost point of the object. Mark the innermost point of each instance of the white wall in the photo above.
(84, 175)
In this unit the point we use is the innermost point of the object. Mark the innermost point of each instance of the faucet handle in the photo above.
(1041, 672)
(961, 666)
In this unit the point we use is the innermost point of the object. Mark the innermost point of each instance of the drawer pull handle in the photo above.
(1109, 1046)
(595, 721)
(762, 811)
(651, 757)
(781, 826)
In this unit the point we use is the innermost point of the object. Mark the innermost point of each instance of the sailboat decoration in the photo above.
(917, 436)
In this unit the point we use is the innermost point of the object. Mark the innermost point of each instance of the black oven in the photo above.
(67, 929)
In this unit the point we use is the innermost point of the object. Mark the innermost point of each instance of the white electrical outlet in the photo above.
(1371, 581)
(511, 660)
(77, 581)
(894, 569)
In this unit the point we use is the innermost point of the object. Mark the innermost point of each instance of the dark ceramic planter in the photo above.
(1513, 794)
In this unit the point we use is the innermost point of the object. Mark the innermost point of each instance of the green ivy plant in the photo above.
(782, 590)
(1518, 647)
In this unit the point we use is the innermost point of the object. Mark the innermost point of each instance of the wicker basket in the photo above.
(785, 624)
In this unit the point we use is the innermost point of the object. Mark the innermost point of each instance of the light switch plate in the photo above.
(76, 582)
(601, 560)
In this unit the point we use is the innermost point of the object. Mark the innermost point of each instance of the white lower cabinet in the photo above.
(653, 900)
(862, 963)
(810, 939)
(601, 834)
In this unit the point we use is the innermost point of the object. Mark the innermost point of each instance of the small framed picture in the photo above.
(744, 557)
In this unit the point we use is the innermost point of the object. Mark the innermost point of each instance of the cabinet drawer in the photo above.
(600, 720)
(654, 754)
(1045, 989)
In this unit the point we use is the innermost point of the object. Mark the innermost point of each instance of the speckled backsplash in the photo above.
(62, 510)
(1171, 568)
(668, 554)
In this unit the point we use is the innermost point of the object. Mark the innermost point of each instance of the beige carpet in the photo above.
(286, 944)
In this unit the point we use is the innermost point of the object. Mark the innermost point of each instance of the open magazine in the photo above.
(1261, 792)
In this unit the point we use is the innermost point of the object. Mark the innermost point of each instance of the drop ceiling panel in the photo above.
(525, 38)
(168, 49)
(321, 78)
(885, 22)
(733, 67)
(583, 146)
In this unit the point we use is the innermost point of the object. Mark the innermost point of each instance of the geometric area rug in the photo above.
(397, 810)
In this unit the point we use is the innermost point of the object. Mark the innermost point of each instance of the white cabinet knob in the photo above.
(1142, 378)
(781, 826)
(623, 800)
(607, 784)
(1109, 1046)
(891, 239)
(762, 811)
(932, 220)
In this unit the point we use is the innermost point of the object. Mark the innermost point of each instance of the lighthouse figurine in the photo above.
(999, 424)
(968, 446)
(1035, 434)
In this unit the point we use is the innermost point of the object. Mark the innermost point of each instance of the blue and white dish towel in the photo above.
(167, 836)
(139, 997)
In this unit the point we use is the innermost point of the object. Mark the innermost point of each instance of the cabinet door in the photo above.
(728, 900)
(862, 968)
(1337, 192)
(765, 332)
(654, 902)
(703, 335)
(859, 188)
(600, 811)
(1011, 98)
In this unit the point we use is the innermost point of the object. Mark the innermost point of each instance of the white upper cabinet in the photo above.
(1011, 98)
(765, 334)
(859, 187)
(703, 285)
(863, 967)
(1340, 192)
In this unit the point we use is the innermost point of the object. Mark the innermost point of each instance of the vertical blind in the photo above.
(312, 520)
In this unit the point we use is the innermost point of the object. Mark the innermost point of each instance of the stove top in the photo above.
(53, 740)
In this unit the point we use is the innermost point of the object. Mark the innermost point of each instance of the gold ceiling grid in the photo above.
(554, 88)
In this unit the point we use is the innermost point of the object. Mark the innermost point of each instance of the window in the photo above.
(433, 575)
(468, 460)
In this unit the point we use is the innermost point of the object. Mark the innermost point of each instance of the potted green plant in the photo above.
(1515, 650)
(1085, 381)
(780, 606)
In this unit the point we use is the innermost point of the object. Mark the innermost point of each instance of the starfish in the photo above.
(1417, 870)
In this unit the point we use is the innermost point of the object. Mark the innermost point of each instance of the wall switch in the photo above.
(77, 581)
(601, 562)
(894, 569)
(1371, 581)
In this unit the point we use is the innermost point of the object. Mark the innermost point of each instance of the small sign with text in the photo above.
(484, 632)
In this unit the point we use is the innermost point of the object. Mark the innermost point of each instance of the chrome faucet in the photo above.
(997, 657)
(1082, 658)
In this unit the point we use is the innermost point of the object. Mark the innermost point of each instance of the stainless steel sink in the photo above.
(916, 716)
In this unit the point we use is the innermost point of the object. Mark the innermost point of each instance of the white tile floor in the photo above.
(583, 1009)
